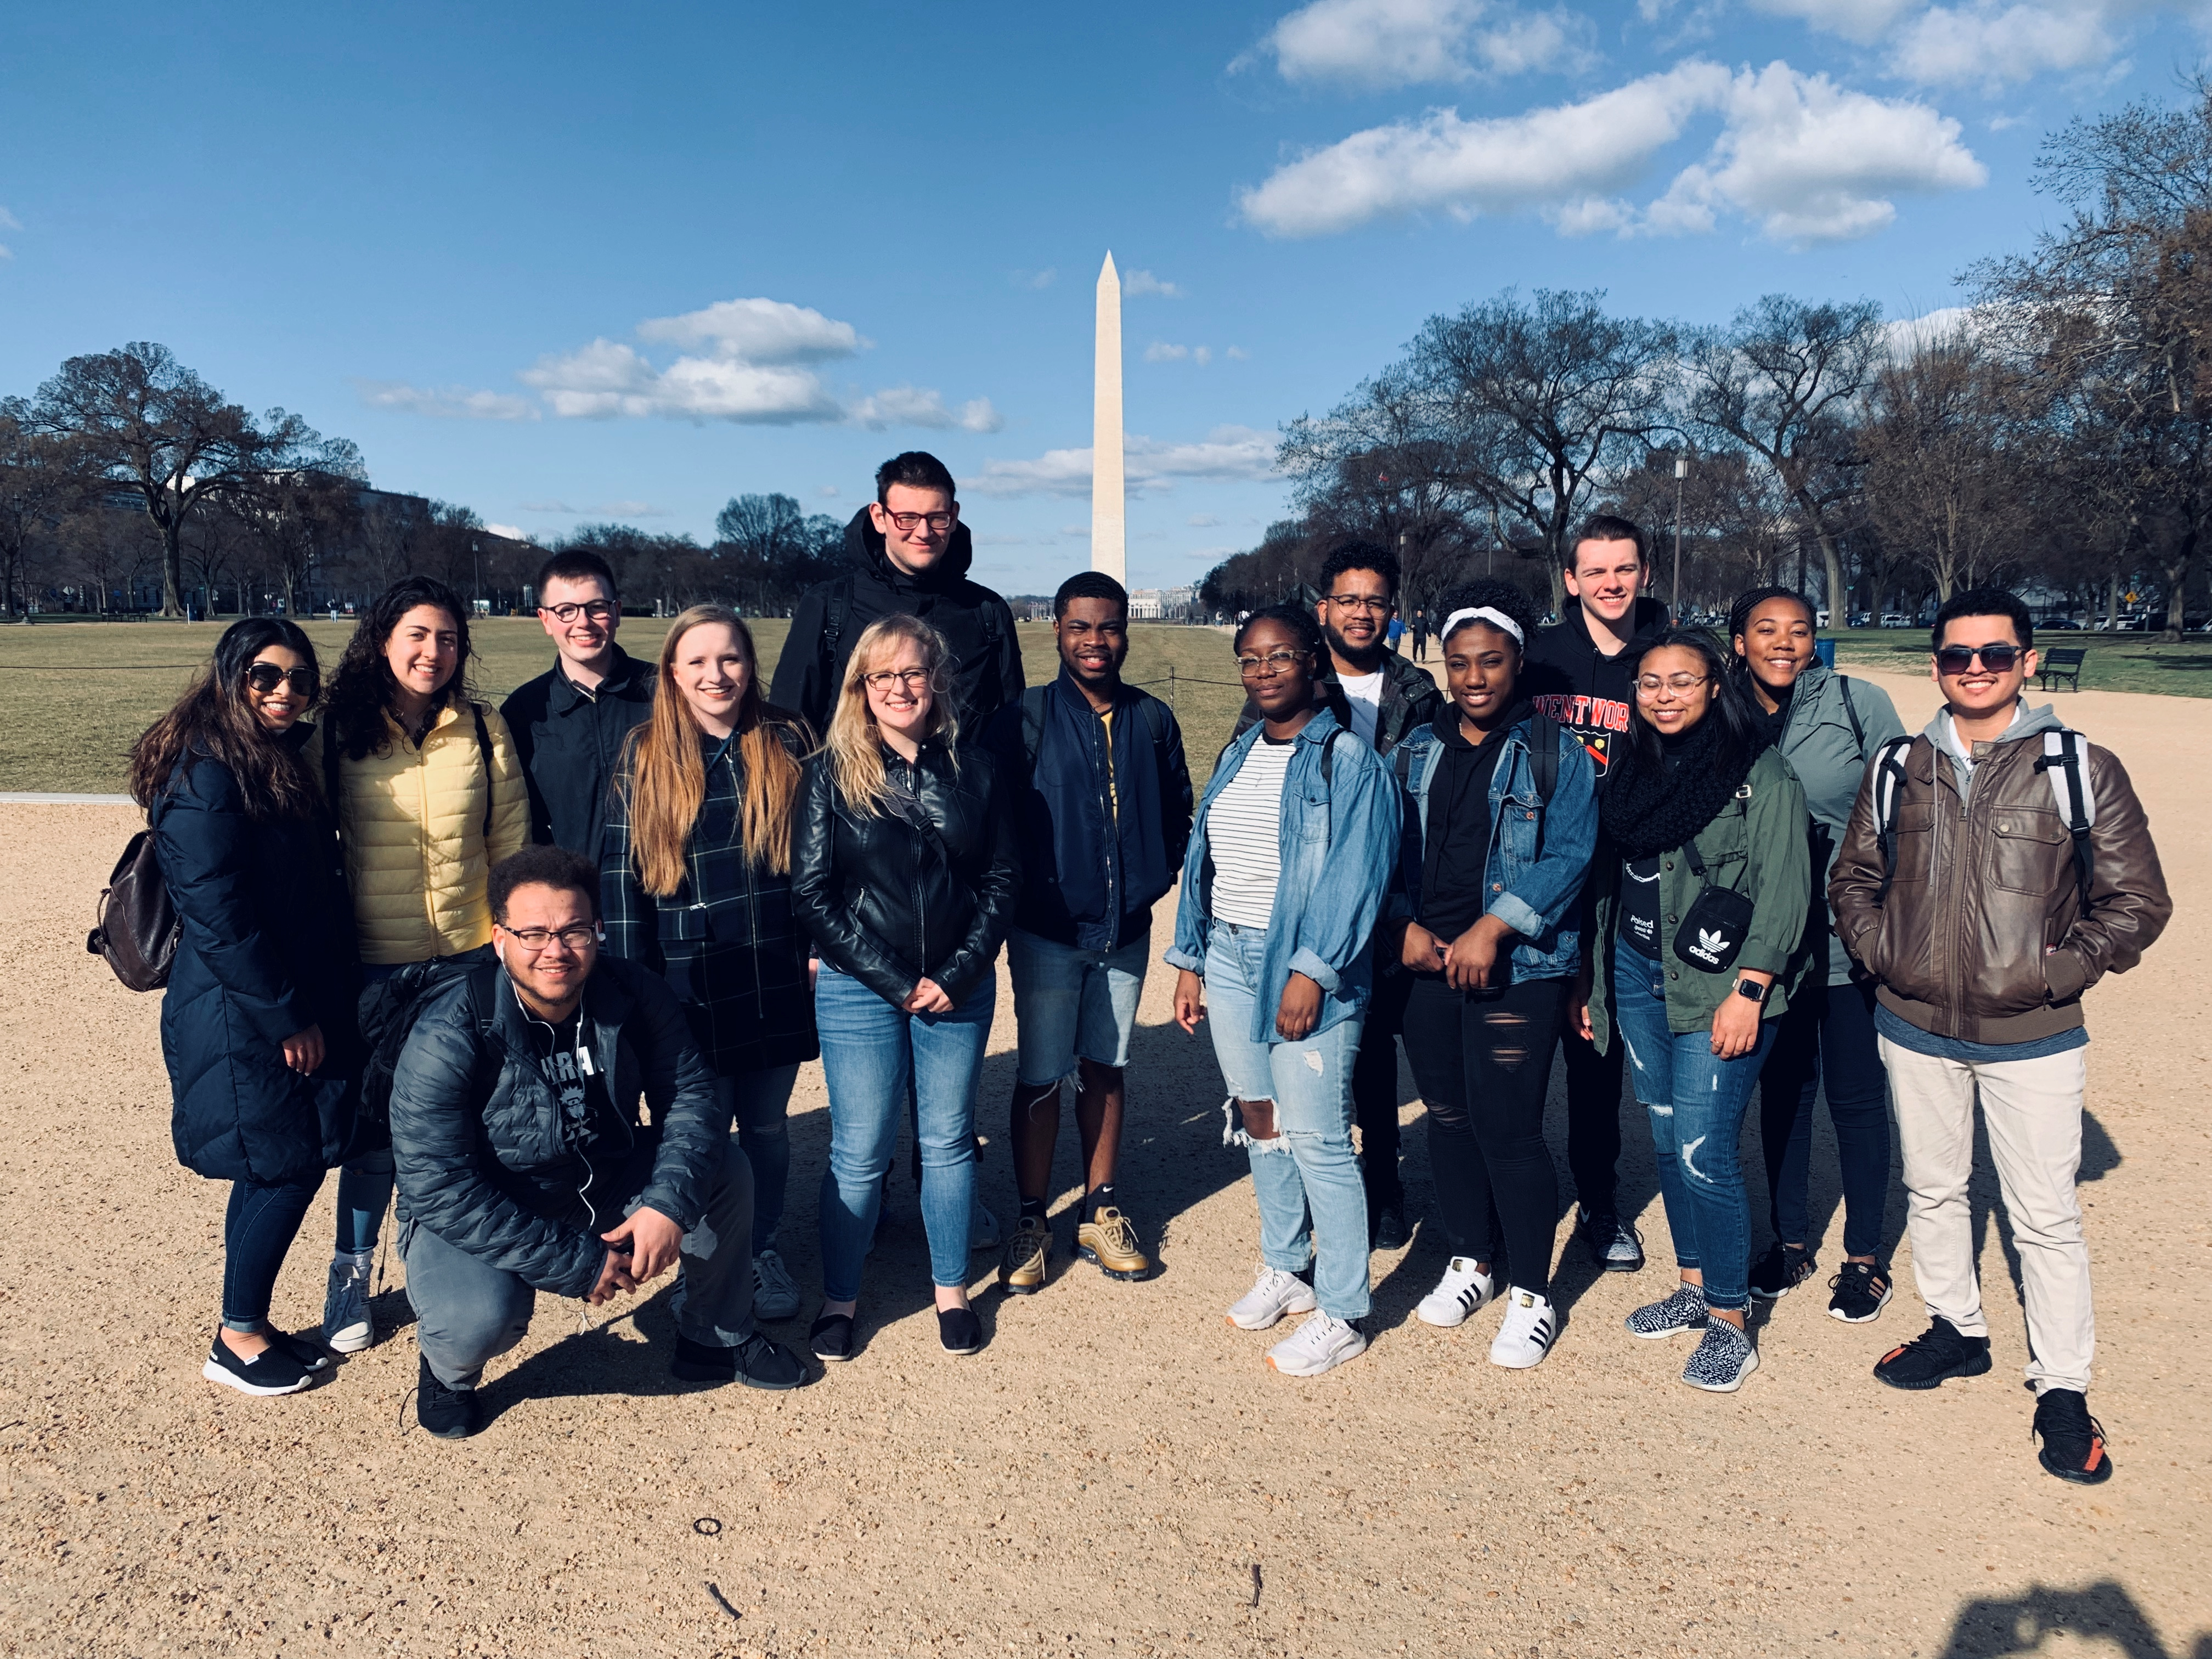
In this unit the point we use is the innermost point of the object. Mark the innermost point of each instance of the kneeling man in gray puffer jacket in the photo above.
(524, 1165)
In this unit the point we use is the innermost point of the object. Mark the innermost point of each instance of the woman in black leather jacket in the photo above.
(904, 870)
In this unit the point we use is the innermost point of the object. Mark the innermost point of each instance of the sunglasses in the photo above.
(1958, 658)
(265, 676)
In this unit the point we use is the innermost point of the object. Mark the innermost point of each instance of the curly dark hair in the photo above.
(1489, 593)
(1740, 612)
(1298, 620)
(213, 718)
(362, 689)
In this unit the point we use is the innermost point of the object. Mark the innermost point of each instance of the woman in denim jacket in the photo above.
(1494, 854)
(1289, 862)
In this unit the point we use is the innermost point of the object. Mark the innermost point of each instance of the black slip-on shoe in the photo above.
(449, 1413)
(1934, 1357)
(312, 1355)
(758, 1362)
(960, 1331)
(2073, 1441)
(271, 1371)
(832, 1337)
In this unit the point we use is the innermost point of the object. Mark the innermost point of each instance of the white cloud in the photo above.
(512, 532)
(1372, 45)
(603, 510)
(1034, 279)
(1993, 44)
(1160, 351)
(1202, 521)
(757, 331)
(1237, 354)
(1862, 21)
(1231, 453)
(1808, 160)
(907, 405)
(8, 221)
(604, 379)
(829, 492)
(1138, 284)
(450, 403)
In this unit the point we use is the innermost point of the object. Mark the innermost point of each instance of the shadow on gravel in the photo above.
(2102, 1612)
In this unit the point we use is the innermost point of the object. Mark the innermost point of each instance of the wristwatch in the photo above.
(1752, 989)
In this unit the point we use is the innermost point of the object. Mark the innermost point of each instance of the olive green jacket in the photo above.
(1758, 845)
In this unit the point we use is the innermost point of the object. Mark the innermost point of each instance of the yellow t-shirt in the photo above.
(1113, 788)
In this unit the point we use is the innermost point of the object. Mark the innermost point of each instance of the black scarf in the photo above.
(1649, 807)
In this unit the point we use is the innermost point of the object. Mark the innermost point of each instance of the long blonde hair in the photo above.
(854, 748)
(665, 777)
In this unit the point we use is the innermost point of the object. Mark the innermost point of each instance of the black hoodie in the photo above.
(1570, 680)
(976, 622)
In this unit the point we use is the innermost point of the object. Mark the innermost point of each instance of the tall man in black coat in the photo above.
(524, 1165)
(1577, 673)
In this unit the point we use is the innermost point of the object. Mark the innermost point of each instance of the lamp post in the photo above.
(1674, 596)
(476, 572)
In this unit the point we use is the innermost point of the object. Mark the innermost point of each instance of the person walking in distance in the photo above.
(1500, 817)
(1826, 727)
(1380, 698)
(905, 872)
(1420, 635)
(1577, 673)
(429, 795)
(695, 883)
(569, 724)
(1290, 858)
(1700, 915)
(526, 1166)
(1102, 801)
(256, 1020)
(1995, 868)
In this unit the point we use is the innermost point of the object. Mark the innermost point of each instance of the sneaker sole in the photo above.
(1127, 1275)
(352, 1340)
(462, 1433)
(1012, 1288)
(711, 1376)
(1834, 1312)
(1749, 1365)
(1317, 1370)
(776, 1316)
(1661, 1336)
(1281, 1314)
(2077, 1477)
(230, 1379)
(1980, 1365)
(1519, 1365)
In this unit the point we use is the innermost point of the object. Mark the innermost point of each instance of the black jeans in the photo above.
(1828, 1036)
(1593, 1119)
(257, 1228)
(1375, 1092)
(1483, 1060)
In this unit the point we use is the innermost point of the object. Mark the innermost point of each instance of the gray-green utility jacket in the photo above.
(1830, 761)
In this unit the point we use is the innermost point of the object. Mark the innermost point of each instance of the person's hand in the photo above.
(1189, 1000)
(614, 1279)
(928, 997)
(651, 1240)
(1578, 1019)
(1300, 1010)
(1735, 1027)
(303, 1050)
(1421, 950)
(1472, 958)
(814, 972)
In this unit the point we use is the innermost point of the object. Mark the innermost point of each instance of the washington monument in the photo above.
(1108, 549)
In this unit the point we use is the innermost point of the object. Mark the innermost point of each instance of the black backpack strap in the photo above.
(483, 997)
(1328, 763)
(1155, 722)
(484, 748)
(1033, 723)
(1851, 712)
(836, 609)
(1402, 762)
(1889, 781)
(1544, 755)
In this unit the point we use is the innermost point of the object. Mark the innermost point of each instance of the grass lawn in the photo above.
(74, 695)
(2116, 662)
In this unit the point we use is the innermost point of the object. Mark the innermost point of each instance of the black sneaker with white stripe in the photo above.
(1862, 1292)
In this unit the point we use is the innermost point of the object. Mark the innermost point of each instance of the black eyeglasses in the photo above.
(598, 611)
(265, 676)
(940, 522)
(1958, 658)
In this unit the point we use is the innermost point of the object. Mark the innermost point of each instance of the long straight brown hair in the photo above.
(667, 777)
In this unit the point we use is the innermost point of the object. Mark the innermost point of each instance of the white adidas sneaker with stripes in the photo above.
(1526, 1336)
(1458, 1294)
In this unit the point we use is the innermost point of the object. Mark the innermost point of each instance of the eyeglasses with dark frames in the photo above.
(1362, 602)
(914, 679)
(535, 941)
(940, 522)
(598, 610)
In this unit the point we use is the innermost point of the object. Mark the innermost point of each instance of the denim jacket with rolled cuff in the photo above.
(1339, 838)
(1539, 851)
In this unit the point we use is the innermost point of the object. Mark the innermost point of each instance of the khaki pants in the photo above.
(2033, 1108)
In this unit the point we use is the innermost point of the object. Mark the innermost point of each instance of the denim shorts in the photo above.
(1071, 1003)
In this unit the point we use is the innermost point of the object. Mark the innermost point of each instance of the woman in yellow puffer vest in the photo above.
(429, 797)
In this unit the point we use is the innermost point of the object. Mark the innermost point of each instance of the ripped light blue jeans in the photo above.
(1696, 1103)
(1313, 1205)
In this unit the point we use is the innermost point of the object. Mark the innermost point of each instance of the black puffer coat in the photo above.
(267, 951)
(487, 1162)
(877, 893)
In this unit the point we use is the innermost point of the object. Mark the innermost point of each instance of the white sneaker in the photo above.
(1526, 1336)
(776, 1293)
(1457, 1294)
(1273, 1294)
(347, 1328)
(1320, 1343)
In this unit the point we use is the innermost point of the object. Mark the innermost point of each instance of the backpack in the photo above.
(484, 749)
(388, 1012)
(837, 611)
(1543, 761)
(137, 927)
(1156, 722)
(2062, 762)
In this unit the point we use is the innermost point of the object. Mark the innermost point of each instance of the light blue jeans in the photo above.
(1696, 1105)
(1313, 1205)
(867, 1049)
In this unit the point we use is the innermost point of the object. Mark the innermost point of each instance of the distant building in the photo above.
(1162, 604)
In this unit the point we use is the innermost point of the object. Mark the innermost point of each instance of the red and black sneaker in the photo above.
(1934, 1357)
(2073, 1441)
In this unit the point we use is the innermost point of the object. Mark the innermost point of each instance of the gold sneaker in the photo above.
(1021, 1270)
(1109, 1239)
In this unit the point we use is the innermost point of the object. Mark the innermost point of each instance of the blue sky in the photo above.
(563, 263)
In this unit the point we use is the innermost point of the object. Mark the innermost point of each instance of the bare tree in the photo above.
(1784, 379)
(302, 515)
(38, 485)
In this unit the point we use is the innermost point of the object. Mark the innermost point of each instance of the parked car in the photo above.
(1862, 619)
(1895, 619)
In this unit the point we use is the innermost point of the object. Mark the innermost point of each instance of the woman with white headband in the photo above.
(1500, 819)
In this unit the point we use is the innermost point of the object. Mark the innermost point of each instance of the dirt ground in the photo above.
(1117, 1473)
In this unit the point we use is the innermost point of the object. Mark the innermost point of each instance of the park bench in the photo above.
(2063, 664)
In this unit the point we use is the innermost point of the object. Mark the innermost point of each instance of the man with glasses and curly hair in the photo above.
(1994, 868)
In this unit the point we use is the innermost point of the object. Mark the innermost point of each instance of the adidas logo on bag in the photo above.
(1709, 946)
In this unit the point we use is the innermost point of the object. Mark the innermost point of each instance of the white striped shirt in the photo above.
(1243, 832)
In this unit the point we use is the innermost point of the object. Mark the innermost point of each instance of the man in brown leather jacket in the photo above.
(1971, 915)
